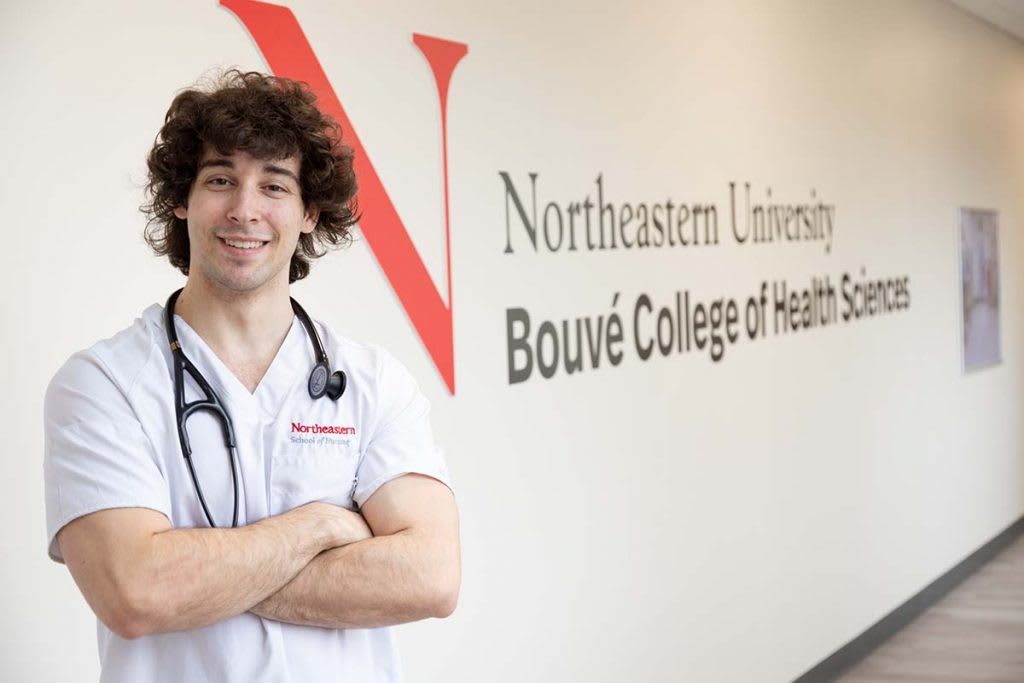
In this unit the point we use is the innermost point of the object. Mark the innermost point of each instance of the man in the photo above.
(333, 515)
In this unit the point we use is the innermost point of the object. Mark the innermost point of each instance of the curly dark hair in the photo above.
(269, 118)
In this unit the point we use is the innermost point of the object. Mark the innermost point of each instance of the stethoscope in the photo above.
(322, 382)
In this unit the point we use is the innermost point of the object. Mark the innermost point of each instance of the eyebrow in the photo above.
(228, 163)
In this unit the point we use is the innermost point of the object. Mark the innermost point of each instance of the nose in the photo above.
(246, 206)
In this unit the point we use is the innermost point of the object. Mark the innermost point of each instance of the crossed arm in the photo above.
(317, 564)
(408, 570)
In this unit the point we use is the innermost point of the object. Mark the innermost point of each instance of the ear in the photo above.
(311, 219)
(181, 212)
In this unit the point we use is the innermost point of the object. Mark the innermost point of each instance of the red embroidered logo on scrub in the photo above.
(322, 429)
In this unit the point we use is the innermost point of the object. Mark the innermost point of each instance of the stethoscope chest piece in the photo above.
(318, 380)
(336, 385)
(322, 381)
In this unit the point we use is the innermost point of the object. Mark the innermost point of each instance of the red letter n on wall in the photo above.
(288, 54)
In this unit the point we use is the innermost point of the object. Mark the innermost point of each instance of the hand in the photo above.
(330, 525)
(350, 526)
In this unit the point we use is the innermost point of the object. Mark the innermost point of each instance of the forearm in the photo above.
(140, 576)
(188, 578)
(381, 581)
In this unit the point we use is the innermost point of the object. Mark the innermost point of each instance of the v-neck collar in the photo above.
(277, 382)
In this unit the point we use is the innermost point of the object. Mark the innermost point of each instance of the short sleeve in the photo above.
(97, 455)
(402, 441)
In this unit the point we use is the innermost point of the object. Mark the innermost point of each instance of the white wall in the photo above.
(676, 519)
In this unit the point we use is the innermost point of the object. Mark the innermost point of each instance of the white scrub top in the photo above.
(112, 442)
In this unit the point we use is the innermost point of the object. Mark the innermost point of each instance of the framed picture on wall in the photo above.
(979, 286)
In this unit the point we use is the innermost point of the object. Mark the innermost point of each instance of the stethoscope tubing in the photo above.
(211, 401)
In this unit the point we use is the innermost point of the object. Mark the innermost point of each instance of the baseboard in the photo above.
(861, 646)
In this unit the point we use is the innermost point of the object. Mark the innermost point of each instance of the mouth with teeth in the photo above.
(245, 245)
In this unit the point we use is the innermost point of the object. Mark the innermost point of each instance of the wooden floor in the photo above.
(975, 633)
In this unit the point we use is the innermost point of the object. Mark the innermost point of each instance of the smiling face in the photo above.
(244, 219)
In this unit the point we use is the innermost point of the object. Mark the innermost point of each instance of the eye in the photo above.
(218, 181)
(277, 188)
